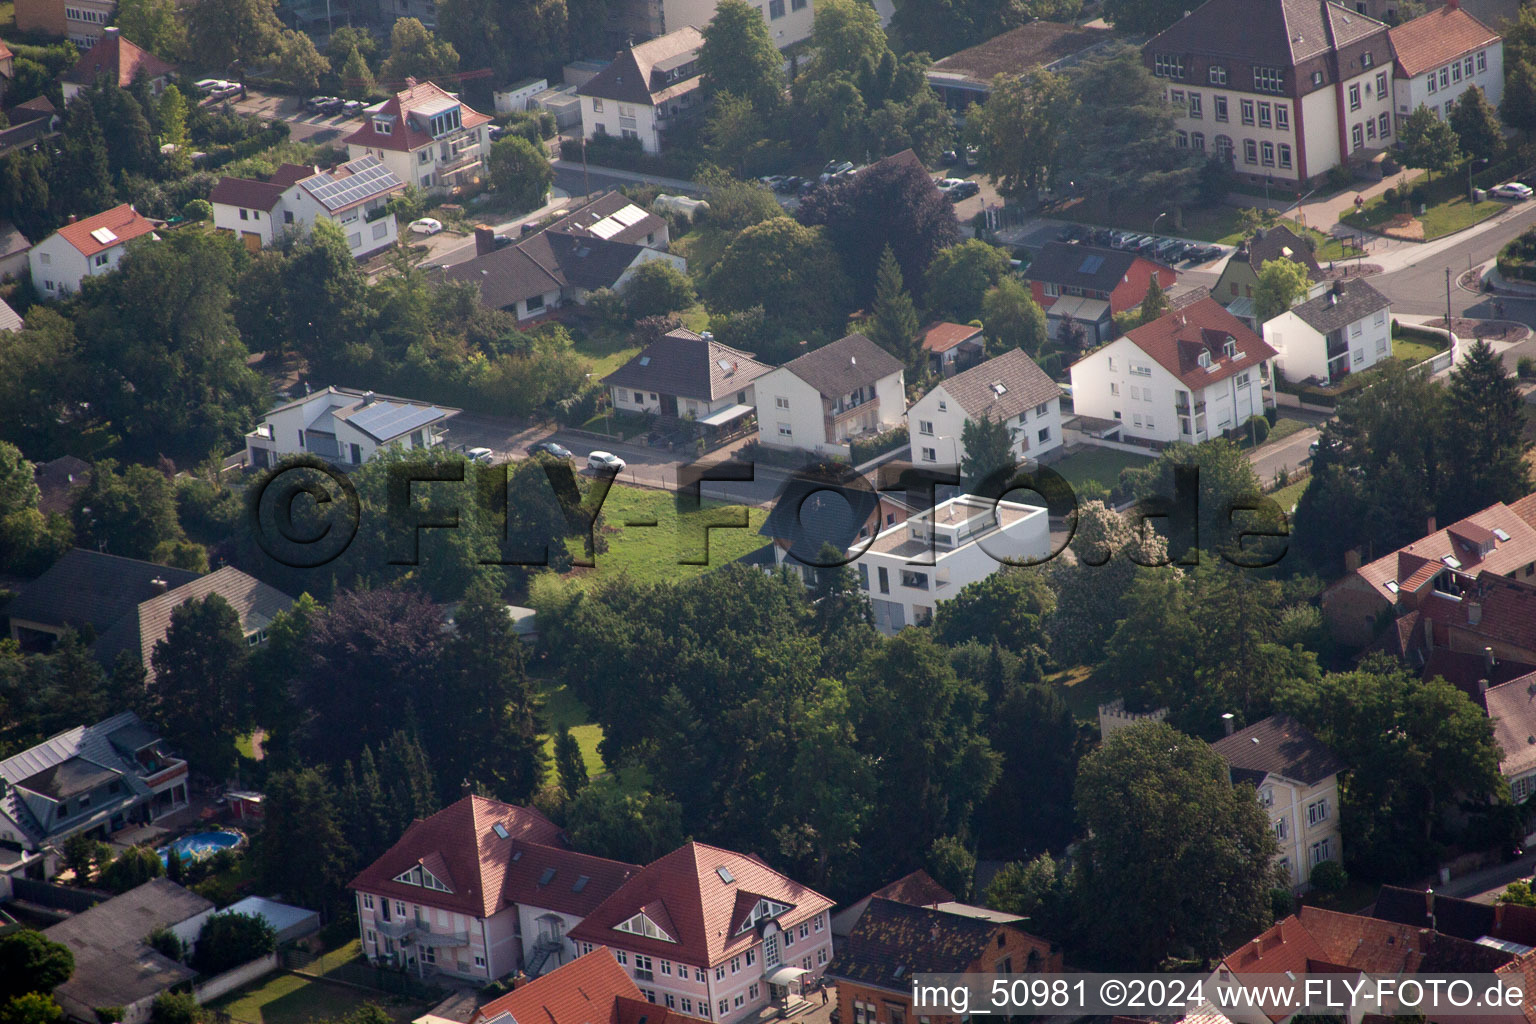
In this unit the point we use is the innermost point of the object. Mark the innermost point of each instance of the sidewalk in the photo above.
(676, 184)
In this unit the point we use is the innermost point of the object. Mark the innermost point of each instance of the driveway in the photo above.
(1287, 454)
(303, 126)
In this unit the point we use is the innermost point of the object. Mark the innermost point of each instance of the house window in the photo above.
(798, 5)
(1250, 151)
(698, 975)
(1285, 153)
(719, 972)
(775, 9)
(1168, 66)
(354, 240)
(739, 1001)
(1384, 126)
(1282, 117)
(621, 956)
(1044, 436)
(752, 992)
(399, 909)
(1220, 105)
(367, 901)
(1282, 829)
(243, 215)
(480, 962)
(1456, 72)
(789, 936)
(1370, 128)
(1247, 109)
(735, 965)
(1357, 136)
(781, 403)
(1217, 75)
(1193, 105)
(1264, 115)
(1521, 788)
(1322, 850)
(1317, 812)
(1268, 79)
(1381, 85)
(1381, 346)
(930, 455)
(943, 406)
(1052, 290)
(1267, 154)
(1431, 81)
(785, 430)
(1181, 139)
(1197, 141)
(821, 955)
(751, 957)
(671, 1000)
(1354, 97)
(725, 1007)
(1114, 388)
(101, 260)
(536, 302)
(925, 427)
(1482, 60)
(1224, 148)
(1445, 78)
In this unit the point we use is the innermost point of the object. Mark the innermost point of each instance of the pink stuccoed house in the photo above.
(714, 934)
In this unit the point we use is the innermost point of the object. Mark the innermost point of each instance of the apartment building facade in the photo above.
(1345, 329)
(426, 136)
(1009, 388)
(1438, 56)
(1283, 90)
(819, 401)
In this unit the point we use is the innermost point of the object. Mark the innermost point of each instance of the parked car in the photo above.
(332, 105)
(771, 180)
(205, 86)
(228, 91)
(1513, 190)
(972, 156)
(950, 156)
(1204, 253)
(964, 190)
(789, 184)
(481, 455)
(1125, 239)
(605, 460)
(834, 168)
(426, 226)
(1101, 236)
(1167, 248)
(554, 448)
(352, 108)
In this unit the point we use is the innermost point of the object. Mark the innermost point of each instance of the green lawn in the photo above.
(1285, 426)
(1448, 208)
(606, 352)
(286, 998)
(1288, 496)
(654, 554)
(562, 708)
(1218, 224)
(1411, 350)
(1101, 464)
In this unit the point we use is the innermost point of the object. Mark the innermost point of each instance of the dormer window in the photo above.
(419, 875)
(764, 908)
(445, 122)
(1205, 360)
(1217, 75)
(641, 924)
(1229, 348)
(384, 124)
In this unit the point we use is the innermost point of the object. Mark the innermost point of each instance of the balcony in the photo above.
(466, 158)
(426, 935)
(378, 213)
(396, 929)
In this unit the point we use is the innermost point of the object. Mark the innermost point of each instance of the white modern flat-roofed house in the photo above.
(352, 195)
(820, 400)
(345, 426)
(1442, 54)
(646, 89)
(1189, 375)
(426, 136)
(1009, 388)
(1346, 329)
(910, 567)
(85, 248)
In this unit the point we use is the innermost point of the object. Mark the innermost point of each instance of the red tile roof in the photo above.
(487, 872)
(700, 903)
(5, 51)
(407, 136)
(122, 221)
(917, 889)
(1437, 38)
(119, 60)
(1175, 341)
(943, 336)
(580, 992)
(1470, 541)
(1505, 611)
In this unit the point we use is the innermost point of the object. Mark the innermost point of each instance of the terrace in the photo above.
(951, 526)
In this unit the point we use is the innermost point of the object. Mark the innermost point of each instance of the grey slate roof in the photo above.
(631, 78)
(844, 366)
(893, 941)
(1271, 32)
(1081, 266)
(1024, 385)
(1275, 243)
(62, 764)
(688, 365)
(1278, 745)
(1341, 305)
(810, 514)
(92, 588)
(113, 966)
(546, 262)
(255, 602)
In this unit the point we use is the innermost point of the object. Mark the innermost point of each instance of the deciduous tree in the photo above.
(1282, 282)
(786, 268)
(414, 52)
(959, 276)
(1428, 142)
(154, 26)
(1476, 124)
(201, 698)
(1012, 318)
(739, 57)
(1018, 131)
(520, 171)
(31, 962)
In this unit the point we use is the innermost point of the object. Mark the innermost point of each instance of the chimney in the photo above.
(1429, 903)
(1489, 660)
(1482, 687)
(1474, 612)
(1351, 559)
(485, 241)
(367, 398)
(159, 586)
(1498, 908)
(70, 219)
(1226, 722)
(1429, 526)
(1258, 234)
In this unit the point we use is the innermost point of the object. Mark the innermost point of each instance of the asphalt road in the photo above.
(1420, 287)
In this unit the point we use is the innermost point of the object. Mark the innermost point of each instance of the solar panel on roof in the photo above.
(630, 215)
(1091, 264)
(385, 420)
(606, 228)
(369, 178)
(104, 236)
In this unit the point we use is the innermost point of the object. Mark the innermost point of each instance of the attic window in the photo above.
(725, 875)
(104, 236)
(1392, 586)
(999, 387)
(899, 971)
(1205, 360)
(642, 925)
(764, 908)
(580, 883)
(645, 360)
(517, 856)
(501, 831)
(383, 125)
(547, 876)
(724, 364)
(1499, 533)
(1452, 561)
(1229, 348)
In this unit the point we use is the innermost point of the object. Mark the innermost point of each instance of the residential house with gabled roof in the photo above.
(1440, 55)
(352, 195)
(426, 136)
(1240, 274)
(1010, 389)
(683, 374)
(14, 245)
(1345, 328)
(598, 246)
(345, 425)
(31, 122)
(646, 89)
(818, 401)
(1282, 90)
(1503, 925)
(965, 77)
(592, 989)
(90, 780)
(126, 604)
(892, 942)
(85, 248)
(1435, 569)
(1190, 375)
(1087, 285)
(1296, 777)
(479, 890)
(917, 889)
(120, 62)
(1511, 708)
(951, 347)
(713, 933)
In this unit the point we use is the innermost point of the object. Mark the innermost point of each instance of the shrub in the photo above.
(229, 940)
(1329, 876)
(1272, 414)
(164, 942)
(135, 866)
(1281, 903)
(1258, 428)
(1091, 490)
(1525, 369)
(174, 1008)
(197, 210)
(864, 449)
(1340, 177)
(1389, 196)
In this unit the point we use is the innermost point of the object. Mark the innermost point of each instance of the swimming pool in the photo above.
(202, 844)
